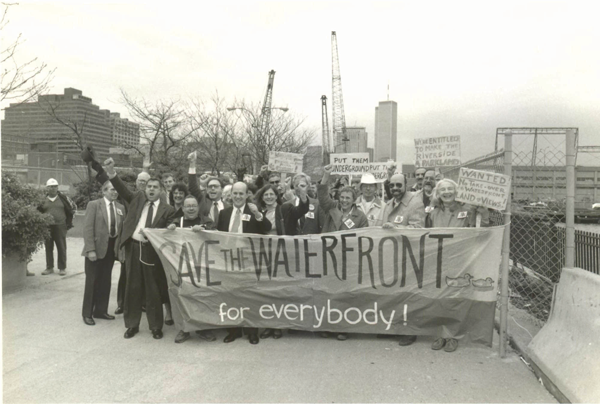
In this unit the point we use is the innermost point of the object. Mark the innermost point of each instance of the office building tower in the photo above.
(357, 140)
(386, 119)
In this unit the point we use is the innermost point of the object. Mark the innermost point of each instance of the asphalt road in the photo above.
(50, 355)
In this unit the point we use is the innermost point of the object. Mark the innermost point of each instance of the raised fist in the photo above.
(192, 156)
(171, 226)
(109, 162)
(328, 168)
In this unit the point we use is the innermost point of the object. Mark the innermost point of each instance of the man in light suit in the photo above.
(147, 210)
(242, 217)
(103, 222)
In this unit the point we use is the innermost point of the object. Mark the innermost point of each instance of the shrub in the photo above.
(24, 228)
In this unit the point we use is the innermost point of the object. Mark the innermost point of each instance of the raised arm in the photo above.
(192, 179)
(119, 185)
(325, 201)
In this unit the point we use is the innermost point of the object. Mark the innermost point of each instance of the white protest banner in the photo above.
(285, 162)
(483, 188)
(437, 151)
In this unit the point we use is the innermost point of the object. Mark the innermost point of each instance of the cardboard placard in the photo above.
(483, 188)
(285, 162)
(437, 151)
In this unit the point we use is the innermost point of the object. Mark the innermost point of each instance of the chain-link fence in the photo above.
(537, 238)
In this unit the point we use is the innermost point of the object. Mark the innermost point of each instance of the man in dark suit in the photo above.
(242, 217)
(103, 222)
(210, 201)
(168, 182)
(147, 210)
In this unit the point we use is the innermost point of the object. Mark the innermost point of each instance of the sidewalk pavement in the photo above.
(50, 355)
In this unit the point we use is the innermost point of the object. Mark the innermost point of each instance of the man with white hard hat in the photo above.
(369, 203)
(61, 208)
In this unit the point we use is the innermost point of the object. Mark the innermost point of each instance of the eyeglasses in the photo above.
(396, 185)
(214, 186)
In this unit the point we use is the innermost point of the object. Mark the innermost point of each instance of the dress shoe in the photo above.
(342, 336)
(182, 336)
(253, 338)
(62, 272)
(169, 322)
(104, 316)
(451, 345)
(157, 334)
(277, 334)
(230, 337)
(131, 332)
(206, 335)
(48, 271)
(119, 310)
(438, 344)
(406, 340)
(266, 333)
(30, 273)
(89, 321)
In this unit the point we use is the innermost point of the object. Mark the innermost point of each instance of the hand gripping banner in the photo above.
(439, 282)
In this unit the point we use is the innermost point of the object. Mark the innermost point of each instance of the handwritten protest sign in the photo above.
(483, 188)
(285, 162)
(379, 170)
(349, 158)
(437, 151)
(409, 281)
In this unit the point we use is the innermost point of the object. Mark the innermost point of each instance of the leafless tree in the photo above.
(164, 130)
(214, 135)
(285, 132)
(22, 81)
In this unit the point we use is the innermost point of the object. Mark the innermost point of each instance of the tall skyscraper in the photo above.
(386, 131)
(357, 140)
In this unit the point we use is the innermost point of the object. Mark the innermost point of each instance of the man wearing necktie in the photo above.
(147, 210)
(210, 200)
(103, 222)
(242, 217)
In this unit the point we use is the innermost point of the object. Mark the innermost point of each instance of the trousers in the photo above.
(58, 236)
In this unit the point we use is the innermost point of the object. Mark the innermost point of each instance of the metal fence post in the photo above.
(570, 213)
(505, 248)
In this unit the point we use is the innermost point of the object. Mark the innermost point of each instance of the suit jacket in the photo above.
(331, 215)
(137, 200)
(96, 231)
(409, 212)
(249, 226)
(291, 214)
(204, 202)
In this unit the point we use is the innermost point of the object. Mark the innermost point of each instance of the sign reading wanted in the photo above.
(483, 188)
(285, 162)
(437, 151)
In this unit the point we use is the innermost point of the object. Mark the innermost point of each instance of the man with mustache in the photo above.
(210, 200)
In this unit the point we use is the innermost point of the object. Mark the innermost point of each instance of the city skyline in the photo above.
(466, 69)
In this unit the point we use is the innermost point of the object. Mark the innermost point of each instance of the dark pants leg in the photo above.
(121, 287)
(141, 282)
(60, 238)
(98, 282)
(161, 280)
(49, 247)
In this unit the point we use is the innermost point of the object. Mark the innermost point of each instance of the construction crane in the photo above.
(326, 134)
(339, 118)
(265, 116)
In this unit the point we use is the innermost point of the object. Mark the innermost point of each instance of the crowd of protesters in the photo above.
(115, 224)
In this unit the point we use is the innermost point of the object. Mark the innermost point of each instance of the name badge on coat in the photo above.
(462, 215)
(398, 219)
(349, 223)
(310, 215)
(311, 207)
(428, 209)
(246, 217)
(119, 212)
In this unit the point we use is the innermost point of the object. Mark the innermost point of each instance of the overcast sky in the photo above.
(461, 68)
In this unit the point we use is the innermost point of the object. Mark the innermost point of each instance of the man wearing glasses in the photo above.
(210, 200)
